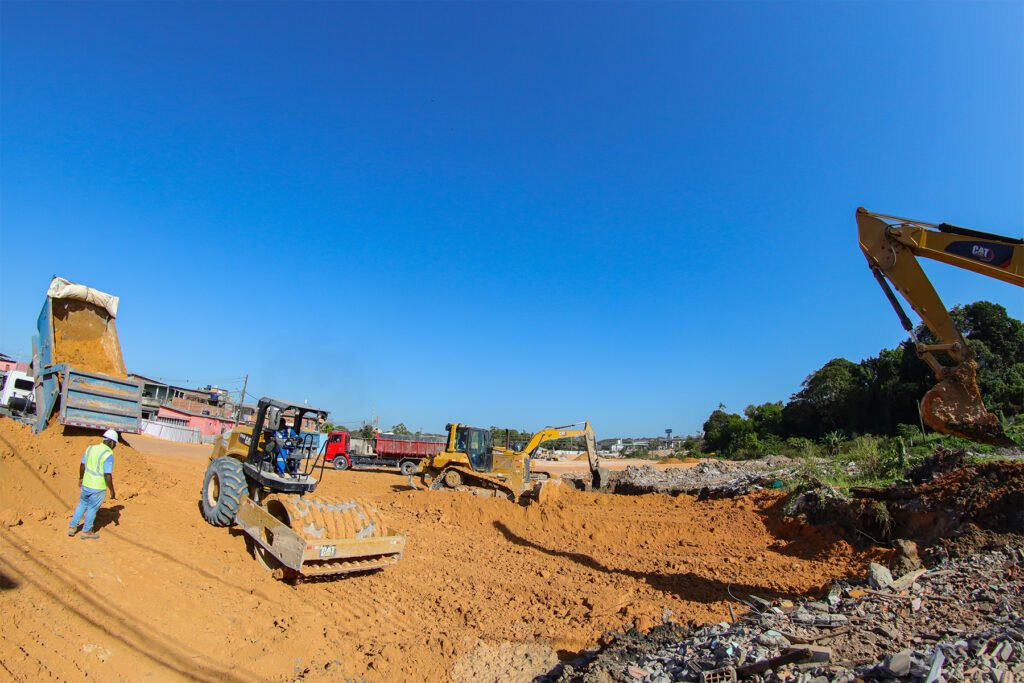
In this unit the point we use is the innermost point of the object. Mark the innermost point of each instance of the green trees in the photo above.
(727, 433)
(401, 430)
(879, 395)
(828, 400)
(758, 430)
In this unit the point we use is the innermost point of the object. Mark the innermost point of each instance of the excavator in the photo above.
(260, 478)
(470, 461)
(892, 246)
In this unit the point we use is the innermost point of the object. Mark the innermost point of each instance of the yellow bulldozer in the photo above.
(470, 461)
(892, 246)
(260, 478)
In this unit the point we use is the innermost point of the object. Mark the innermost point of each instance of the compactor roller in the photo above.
(260, 478)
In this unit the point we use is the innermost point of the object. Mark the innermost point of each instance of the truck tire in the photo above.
(223, 488)
(409, 467)
(340, 462)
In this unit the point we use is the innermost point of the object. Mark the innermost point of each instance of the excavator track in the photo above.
(461, 479)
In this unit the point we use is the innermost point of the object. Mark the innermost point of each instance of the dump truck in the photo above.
(261, 479)
(386, 450)
(77, 363)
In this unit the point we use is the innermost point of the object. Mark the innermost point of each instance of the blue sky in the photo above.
(513, 214)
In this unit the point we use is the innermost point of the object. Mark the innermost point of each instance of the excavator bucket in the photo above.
(954, 406)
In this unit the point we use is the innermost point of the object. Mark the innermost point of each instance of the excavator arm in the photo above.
(892, 246)
(597, 475)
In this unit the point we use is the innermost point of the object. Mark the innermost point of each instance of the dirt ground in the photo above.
(488, 590)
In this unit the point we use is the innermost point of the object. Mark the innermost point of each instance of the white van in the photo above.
(17, 391)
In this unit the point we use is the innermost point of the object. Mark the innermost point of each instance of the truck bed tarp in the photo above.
(64, 289)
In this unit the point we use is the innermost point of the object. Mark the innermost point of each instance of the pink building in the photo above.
(208, 425)
(7, 364)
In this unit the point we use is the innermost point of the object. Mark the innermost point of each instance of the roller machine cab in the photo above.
(261, 478)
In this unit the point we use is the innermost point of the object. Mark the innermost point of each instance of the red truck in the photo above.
(384, 450)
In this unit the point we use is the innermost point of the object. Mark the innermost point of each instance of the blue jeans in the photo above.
(88, 504)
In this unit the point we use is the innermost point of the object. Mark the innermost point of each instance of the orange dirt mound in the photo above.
(85, 337)
(487, 590)
(40, 472)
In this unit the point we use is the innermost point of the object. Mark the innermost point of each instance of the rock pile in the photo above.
(961, 620)
(707, 479)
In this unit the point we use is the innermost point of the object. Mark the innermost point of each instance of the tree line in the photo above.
(878, 395)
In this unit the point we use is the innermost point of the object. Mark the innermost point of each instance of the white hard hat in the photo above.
(110, 435)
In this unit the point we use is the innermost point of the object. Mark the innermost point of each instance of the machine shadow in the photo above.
(686, 586)
(7, 583)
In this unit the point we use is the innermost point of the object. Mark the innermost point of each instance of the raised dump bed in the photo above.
(78, 364)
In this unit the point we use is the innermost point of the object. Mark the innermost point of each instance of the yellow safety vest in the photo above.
(95, 456)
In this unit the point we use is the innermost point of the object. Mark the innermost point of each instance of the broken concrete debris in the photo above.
(963, 619)
(707, 479)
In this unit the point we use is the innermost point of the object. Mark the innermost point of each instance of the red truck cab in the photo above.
(337, 447)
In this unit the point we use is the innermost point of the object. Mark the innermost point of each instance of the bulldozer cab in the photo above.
(280, 458)
(476, 444)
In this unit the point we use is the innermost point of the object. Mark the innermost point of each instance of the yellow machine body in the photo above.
(892, 246)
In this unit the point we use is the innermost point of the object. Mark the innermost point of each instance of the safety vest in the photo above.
(95, 456)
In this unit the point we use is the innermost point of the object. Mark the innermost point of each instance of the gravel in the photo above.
(963, 619)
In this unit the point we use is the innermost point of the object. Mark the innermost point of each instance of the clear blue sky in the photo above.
(511, 214)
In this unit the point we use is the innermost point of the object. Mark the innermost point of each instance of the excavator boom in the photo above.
(892, 246)
(598, 476)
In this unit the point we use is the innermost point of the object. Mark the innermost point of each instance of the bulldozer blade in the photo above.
(954, 406)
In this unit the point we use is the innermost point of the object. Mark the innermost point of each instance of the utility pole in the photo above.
(241, 399)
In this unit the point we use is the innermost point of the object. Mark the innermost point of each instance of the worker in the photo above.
(285, 436)
(96, 475)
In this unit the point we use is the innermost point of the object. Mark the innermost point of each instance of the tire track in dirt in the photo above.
(479, 575)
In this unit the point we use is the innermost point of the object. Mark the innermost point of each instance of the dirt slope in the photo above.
(488, 590)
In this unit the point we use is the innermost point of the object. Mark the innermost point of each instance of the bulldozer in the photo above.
(260, 478)
(892, 246)
(471, 462)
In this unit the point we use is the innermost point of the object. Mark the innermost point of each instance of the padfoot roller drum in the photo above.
(309, 536)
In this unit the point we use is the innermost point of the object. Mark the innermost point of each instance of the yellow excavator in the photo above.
(260, 478)
(892, 246)
(470, 461)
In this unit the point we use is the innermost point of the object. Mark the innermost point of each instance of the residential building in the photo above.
(207, 400)
(7, 364)
(208, 425)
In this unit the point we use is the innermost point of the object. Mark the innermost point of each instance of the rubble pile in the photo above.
(961, 620)
(707, 479)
